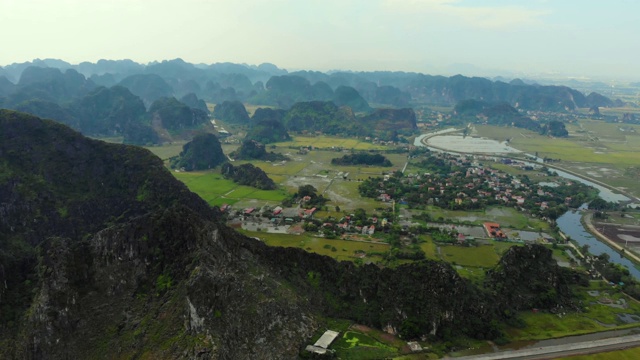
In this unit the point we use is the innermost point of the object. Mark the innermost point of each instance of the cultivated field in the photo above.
(507, 217)
(608, 152)
(165, 152)
(216, 190)
(335, 248)
(324, 142)
(602, 312)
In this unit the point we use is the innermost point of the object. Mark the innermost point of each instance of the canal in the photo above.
(570, 224)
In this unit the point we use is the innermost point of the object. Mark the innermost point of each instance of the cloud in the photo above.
(478, 16)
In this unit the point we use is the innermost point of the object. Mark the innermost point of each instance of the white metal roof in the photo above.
(326, 339)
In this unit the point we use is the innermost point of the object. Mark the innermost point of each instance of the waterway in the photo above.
(570, 224)
(454, 143)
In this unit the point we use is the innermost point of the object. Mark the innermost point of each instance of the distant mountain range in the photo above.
(164, 101)
(266, 84)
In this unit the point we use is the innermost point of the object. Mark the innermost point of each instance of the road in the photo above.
(555, 351)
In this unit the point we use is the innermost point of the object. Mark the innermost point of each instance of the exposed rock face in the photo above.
(220, 303)
(105, 255)
(131, 264)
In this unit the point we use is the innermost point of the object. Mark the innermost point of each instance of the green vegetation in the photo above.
(327, 142)
(480, 256)
(506, 216)
(201, 153)
(346, 250)
(390, 122)
(146, 217)
(167, 151)
(214, 189)
(596, 149)
(348, 96)
(232, 112)
(627, 354)
(362, 159)
(253, 150)
(247, 174)
(322, 116)
(500, 114)
(554, 128)
(356, 345)
(267, 126)
(175, 115)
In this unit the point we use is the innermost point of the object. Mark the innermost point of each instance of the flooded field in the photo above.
(470, 144)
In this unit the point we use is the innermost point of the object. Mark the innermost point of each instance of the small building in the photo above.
(321, 346)
(309, 212)
(493, 230)
(414, 346)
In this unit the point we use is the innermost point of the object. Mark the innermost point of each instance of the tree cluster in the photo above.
(248, 174)
(362, 159)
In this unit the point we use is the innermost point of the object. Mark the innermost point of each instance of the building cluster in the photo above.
(470, 185)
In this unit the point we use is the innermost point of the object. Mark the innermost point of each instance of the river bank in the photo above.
(608, 192)
(587, 221)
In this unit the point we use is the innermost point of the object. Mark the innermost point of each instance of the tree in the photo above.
(307, 190)
(584, 249)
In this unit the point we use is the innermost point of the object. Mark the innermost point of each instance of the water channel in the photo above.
(569, 223)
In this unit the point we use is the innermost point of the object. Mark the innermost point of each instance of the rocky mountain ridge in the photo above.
(105, 255)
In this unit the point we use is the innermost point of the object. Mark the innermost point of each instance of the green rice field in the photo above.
(596, 149)
(478, 256)
(216, 190)
(324, 141)
(344, 249)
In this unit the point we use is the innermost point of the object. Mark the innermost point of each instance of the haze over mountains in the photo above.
(145, 103)
(267, 84)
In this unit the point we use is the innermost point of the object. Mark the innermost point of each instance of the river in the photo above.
(570, 224)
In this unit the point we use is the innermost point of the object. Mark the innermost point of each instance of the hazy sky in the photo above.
(590, 38)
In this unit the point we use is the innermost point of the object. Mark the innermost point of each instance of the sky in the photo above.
(594, 39)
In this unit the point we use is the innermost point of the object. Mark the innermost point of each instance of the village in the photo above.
(433, 180)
